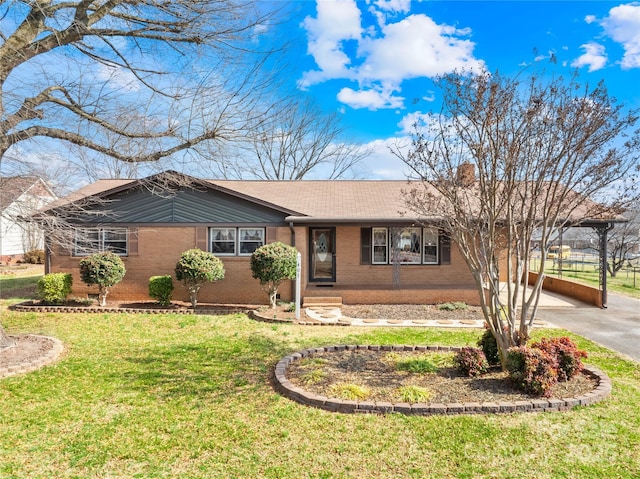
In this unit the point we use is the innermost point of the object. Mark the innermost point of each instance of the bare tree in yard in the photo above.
(623, 240)
(506, 157)
(295, 142)
(189, 68)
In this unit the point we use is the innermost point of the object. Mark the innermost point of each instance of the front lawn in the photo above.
(166, 396)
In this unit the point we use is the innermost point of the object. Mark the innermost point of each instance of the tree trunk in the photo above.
(273, 294)
(102, 296)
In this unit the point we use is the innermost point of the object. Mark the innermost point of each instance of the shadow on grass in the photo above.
(215, 370)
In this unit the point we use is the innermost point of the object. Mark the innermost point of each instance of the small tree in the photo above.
(195, 268)
(104, 269)
(272, 264)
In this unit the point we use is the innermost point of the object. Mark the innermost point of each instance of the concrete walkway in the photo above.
(617, 327)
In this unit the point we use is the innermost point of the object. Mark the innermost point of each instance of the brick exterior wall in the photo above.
(159, 248)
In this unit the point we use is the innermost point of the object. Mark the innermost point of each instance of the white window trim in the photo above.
(437, 245)
(100, 242)
(373, 246)
(240, 240)
(237, 238)
(388, 246)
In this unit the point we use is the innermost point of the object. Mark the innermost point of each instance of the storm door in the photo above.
(323, 254)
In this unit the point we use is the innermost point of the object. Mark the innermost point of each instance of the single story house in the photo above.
(358, 243)
(20, 197)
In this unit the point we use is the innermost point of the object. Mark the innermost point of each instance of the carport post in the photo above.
(602, 233)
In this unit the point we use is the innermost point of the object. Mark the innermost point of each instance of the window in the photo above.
(406, 245)
(223, 241)
(250, 239)
(409, 245)
(380, 245)
(236, 241)
(95, 240)
(430, 246)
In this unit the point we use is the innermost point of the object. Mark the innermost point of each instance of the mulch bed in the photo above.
(377, 371)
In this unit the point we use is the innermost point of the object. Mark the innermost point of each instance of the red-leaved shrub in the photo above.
(532, 370)
(566, 353)
(471, 362)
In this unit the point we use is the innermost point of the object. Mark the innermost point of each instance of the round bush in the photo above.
(104, 269)
(161, 288)
(54, 288)
(271, 264)
(532, 370)
(471, 362)
(197, 267)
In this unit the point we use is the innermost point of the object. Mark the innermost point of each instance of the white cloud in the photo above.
(590, 18)
(384, 165)
(372, 99)
(412, 47)
(336, 22)
(623, 26)
(394, 5)
(594, 57)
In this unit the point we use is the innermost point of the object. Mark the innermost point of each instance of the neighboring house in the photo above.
(356, 242)
(21, 196)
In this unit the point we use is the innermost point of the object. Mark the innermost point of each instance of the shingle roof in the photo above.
(310, 200)
(12, 187)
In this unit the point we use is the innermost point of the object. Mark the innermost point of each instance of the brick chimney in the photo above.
(466, 174)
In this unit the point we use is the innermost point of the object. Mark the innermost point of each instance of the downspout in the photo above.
(293, 243)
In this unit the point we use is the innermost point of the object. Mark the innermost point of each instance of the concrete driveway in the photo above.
(617, 327)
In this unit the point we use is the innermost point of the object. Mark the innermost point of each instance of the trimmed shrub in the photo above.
(471, 362)
(54, 288)
(566, 353)
(195, 268)
(35, 256)
(532, 370)
(489, 347)
(272, 264)
(161, 288)
(104, 269)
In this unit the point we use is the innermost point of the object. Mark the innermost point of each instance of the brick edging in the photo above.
(24, 307)
(291, 391)
(49, 357)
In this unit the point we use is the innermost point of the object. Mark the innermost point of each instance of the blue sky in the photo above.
(373, 60)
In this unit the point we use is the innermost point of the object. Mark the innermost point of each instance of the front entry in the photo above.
(323, 254)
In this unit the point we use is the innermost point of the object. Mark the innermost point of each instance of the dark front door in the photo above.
(323, 254)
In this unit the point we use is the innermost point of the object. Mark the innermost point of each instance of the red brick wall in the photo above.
(159, 249)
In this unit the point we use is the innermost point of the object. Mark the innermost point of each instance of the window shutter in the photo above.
(445, 248)
(201, 238)
(271, 235)
(133, 241)
(365, 245)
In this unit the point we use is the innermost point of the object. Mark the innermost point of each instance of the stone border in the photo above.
(35, 308)
(289, 390)
(49, 357)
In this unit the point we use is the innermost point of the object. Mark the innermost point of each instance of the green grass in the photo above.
(165, 396)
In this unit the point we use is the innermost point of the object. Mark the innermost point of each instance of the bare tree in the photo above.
(187, 70)
(89, 60)
(296, 141)
(624, 239)
(506, 157)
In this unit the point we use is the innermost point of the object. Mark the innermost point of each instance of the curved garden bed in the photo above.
(601, 389)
